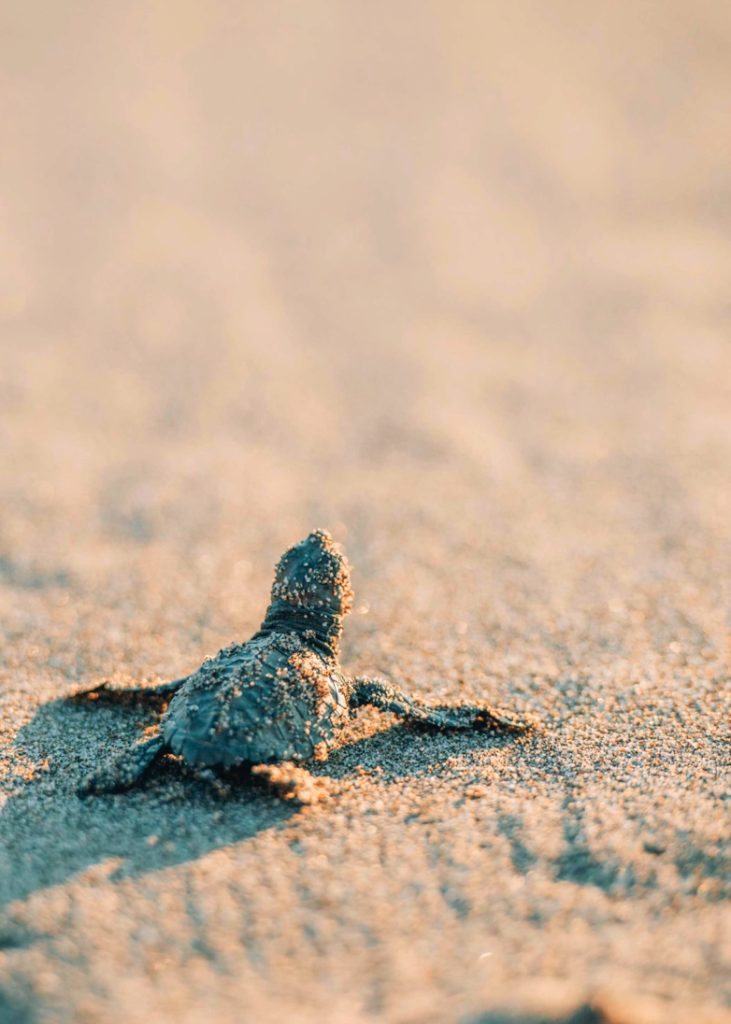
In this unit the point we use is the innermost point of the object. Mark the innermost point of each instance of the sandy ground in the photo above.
(452, 280)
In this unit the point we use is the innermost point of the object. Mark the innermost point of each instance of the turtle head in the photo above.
(314, 576)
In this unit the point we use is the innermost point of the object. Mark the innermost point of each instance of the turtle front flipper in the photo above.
(385, 697)
(154, 696)
(127, 771)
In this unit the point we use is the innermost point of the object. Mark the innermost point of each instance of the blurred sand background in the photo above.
(452, 280)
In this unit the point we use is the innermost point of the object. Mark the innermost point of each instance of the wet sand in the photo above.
(451, 281)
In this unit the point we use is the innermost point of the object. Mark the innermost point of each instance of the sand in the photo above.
(452, 281)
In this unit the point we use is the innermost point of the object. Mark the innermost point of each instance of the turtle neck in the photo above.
(320, 628)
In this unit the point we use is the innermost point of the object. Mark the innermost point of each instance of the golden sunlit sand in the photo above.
(451, 280)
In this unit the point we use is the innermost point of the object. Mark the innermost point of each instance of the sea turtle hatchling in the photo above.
(277, 700)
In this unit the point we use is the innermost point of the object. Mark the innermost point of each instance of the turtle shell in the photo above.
(271, 699)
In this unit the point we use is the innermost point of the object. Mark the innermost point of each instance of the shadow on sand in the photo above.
(48, 834)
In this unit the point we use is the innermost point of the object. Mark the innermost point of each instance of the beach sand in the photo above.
(452, 281)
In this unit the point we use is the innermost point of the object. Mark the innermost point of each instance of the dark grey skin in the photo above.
(278, 699)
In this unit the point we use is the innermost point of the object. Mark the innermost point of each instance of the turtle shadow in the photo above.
(409, 750)
(48, 834)
(585, 1013)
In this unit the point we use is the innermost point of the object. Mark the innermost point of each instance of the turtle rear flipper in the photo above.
(381, 695)
(127, 771)
(290, 782)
